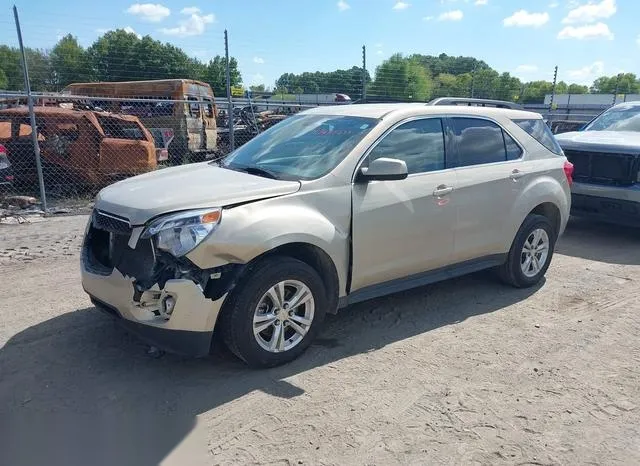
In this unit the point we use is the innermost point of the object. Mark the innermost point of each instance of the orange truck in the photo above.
(83, 146)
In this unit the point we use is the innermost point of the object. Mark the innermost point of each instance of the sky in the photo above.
(584, 38)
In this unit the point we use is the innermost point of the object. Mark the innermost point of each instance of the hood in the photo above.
(627, 142)
(191, 186)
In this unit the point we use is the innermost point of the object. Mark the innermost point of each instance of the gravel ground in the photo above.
(462, 372)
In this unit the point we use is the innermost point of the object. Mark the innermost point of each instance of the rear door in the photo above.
(490, 176)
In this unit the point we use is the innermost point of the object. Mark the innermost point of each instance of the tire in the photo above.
(237, 319)
(512, 272)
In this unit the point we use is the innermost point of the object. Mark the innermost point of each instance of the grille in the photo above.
(111, 223)
(604, 168)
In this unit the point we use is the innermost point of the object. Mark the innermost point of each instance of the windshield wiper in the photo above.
(256, 171)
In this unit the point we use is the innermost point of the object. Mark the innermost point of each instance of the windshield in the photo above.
(301, 147)
(622, 118)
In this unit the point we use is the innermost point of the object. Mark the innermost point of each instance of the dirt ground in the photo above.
(464, 372)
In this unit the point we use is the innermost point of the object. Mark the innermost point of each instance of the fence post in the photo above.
(32, 115)
(229, 97)
(364, 74)
(615, 92)
(473, 82)
(553, 91)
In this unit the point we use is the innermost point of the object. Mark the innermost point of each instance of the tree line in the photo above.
(120, 56)
(115, 56)
(424, 77)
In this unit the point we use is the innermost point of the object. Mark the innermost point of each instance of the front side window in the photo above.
(301, 147)
(420, 143)
(480, 142)
(538, 130)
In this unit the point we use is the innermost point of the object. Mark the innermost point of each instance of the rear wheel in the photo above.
(275, 313)
(530, 254)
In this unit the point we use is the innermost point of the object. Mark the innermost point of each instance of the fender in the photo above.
(245, 232)
(543, 189)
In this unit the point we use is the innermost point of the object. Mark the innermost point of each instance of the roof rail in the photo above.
(476, 102)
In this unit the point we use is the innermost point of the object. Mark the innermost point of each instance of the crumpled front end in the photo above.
(169, 302)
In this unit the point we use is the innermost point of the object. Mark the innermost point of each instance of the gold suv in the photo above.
(332, 206)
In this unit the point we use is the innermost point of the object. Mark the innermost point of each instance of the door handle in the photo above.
(516, 174)
(442, 190)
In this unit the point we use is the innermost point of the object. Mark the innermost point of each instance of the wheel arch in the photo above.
(551, 211)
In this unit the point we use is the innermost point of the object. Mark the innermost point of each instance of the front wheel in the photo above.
(530, 254)
(275, 313)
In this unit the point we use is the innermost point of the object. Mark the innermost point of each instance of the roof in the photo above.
(413, 109)
(61, 112)
(149, 81)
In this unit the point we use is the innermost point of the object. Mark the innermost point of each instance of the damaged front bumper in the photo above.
(171, 306)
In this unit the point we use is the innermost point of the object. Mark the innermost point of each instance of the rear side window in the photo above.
(538, 130)
(120, 129)
(481, 141)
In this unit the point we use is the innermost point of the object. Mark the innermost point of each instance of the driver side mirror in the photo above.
(383, 169)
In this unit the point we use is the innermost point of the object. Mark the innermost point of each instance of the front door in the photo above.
(402, 228)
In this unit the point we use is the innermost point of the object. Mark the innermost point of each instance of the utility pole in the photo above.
(229, 98)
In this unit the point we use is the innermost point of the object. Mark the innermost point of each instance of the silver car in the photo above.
(330, 207)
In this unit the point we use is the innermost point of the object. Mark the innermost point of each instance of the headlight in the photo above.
(180, 233)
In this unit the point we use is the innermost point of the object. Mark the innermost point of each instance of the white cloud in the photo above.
(588, 31)
(190, 10)
(526, 69)
(343, 6)
(130, 30)
(454, 15)
(587, 74)
(378, 52)
(152, 12)
(522, 18)
(194, 25)
(400, 5)
(481, 2)
(591, 12)
(428, 18)
(554, 5)
(258, 60)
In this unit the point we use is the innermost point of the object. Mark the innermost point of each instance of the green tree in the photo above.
(535, 91)
(123, 56)
(257, 88)
(215, 74)
(4, 82)
(69, 62)
(624, 83)
(508, 87)
(577, 89)
(39, 68)
(444, 63)
(339, 81)
(401, 78)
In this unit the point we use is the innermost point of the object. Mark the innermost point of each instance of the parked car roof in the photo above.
(383, 110)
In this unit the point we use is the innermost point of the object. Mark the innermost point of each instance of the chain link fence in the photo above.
(109, 117)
